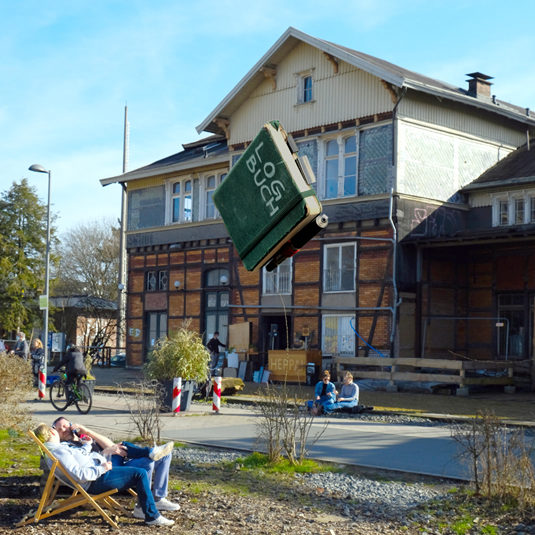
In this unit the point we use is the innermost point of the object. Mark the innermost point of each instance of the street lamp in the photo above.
(40, 169)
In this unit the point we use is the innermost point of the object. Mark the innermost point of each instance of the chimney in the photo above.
(479, 85)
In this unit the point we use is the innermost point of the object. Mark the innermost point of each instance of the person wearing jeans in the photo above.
(96, 474)
(348, 396)
(156, 461)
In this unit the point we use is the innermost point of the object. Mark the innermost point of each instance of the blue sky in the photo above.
(68, 67)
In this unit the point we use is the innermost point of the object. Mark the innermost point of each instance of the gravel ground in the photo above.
(384, 495)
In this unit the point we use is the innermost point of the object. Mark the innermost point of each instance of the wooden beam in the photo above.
(270, 72)
(224, 124)
(390, 88)
(333, 61)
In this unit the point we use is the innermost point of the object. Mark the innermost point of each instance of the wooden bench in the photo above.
(445, 371)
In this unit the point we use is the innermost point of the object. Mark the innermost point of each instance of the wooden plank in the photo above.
(426, 377)
(364, 361)
(372, 375)
(487, 365)
(488, 380)
(431, 363)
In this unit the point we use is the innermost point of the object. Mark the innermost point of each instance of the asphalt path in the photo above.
(410, 448)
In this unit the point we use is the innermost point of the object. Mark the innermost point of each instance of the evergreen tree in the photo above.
(22, 256)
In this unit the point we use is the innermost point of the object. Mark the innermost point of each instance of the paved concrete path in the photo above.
(412, 448)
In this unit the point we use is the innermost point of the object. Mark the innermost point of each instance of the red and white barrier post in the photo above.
(42, 383)
(216, 404)
(177, 394)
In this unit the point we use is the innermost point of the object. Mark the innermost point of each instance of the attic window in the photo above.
(305, 91)
(307, 88)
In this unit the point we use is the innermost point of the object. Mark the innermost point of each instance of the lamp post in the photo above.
(42, 379)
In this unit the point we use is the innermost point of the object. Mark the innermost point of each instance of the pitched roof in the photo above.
(209, 150)
(515, 169)
(389, 72)
(83, 302)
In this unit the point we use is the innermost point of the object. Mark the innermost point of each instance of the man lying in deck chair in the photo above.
(96, 474)
(155, 461)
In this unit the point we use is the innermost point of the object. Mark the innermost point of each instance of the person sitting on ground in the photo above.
(349, 394)
(156, 461)
(325, 395)
(96, 474)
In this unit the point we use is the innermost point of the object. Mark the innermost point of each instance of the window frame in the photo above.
(156, 280)
(352, 346)
(341, 158)
(277, 274)
(305, 91)
(508, 207)
(198, 192)
(326, 284)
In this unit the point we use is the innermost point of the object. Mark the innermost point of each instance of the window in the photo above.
(307, 89)
(357, 164)
(191, 199)
(155, 328)
(512, 337)
(305, 85)
(337, 337)
(216, 301)
(156, 281)
(176, 202)
(504, 212)
(279, 281)
(146, 208)
(339, 270)
(513, 209)
(181, 201)
(519, 211)
(341, 167)
(210, 188)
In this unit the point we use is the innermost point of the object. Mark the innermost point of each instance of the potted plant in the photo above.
(182, 354)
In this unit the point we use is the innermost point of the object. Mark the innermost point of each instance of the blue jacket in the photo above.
(330, 391)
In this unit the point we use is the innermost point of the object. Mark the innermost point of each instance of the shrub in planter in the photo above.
(182, 354)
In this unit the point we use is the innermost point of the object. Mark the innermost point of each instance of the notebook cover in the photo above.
(265, 198)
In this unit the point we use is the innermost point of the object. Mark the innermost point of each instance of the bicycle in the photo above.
(63, 395)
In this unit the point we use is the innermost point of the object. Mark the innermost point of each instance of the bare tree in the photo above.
(89, 261)
(143, 400)
(284, 427)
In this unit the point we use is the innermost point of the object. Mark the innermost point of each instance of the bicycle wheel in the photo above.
(58, 396)
(83, 399)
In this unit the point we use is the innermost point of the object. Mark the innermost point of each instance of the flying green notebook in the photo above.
(267, 205)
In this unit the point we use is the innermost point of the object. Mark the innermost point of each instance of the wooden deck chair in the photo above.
(58, 476)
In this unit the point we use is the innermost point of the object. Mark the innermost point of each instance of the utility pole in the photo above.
(121, 298)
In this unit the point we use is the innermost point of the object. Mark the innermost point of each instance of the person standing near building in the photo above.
(21, 346)
(213, 346)
(37, 353)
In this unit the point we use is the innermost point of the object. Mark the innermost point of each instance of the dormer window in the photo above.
(513, 209)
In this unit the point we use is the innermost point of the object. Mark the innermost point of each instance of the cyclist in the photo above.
(73, 360)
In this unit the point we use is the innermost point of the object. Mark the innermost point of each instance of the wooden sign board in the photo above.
(239, 336)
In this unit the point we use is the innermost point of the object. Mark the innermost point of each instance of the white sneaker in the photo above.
(164, 504)
(138, 513)
(161, 451)
(160, 521)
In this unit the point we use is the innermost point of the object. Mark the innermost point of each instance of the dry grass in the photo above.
(15, 385)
